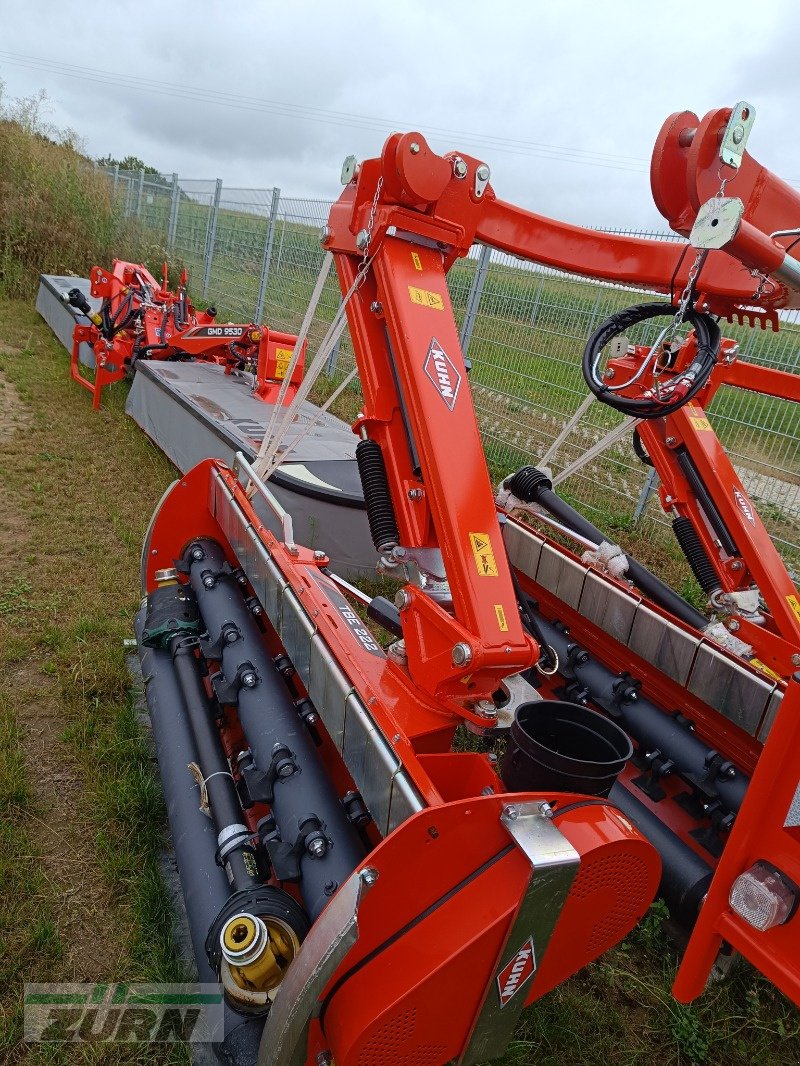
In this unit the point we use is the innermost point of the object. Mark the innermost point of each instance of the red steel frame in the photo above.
(158, 331)
(408, 216)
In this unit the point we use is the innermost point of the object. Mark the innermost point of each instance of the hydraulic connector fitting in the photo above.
(258, 952)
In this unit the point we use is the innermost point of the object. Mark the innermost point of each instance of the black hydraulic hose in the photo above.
(234, 839)
(696, 375)
(651, 727)
(693, 476)
(532, 486)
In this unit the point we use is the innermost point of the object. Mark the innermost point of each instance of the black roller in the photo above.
(286, 770)
(684, 876)
(651, 727)
(374, 482)
(692, 548)
(204, 885)
(533, 486)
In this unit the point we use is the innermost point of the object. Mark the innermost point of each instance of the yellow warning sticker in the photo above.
(484, 556)
(791, 600)
(501, 617)
(425, 298)
(765, 669)
(699, 422)
(415, 259)
(282, 358)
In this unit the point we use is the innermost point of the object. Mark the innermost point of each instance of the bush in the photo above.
(57, 211)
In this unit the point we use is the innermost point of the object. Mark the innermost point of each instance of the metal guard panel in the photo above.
(332, 935)
(385, 787)
(724, 685)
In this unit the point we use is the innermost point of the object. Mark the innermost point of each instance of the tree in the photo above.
(130, 162)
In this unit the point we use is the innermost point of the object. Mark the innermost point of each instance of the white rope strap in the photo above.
(266, 460)
(605, 442)
(565, 432)
(322, 277)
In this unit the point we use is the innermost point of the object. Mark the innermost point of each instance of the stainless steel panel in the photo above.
(371, 761)
(523, 548)
(328, 689)
(554, 864)
(404, 801)
(771, 714)
(322, 952)
(296, 631)
(661, 643)
(608, 607)
(265, 577)
(733, 691)
(793, 814)
(561, 576)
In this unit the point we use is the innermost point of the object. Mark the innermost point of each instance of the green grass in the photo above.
(79, 489)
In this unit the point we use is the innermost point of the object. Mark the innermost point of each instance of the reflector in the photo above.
(762, 897)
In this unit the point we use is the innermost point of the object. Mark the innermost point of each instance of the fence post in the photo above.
(116, 176)
(267, 257)
(474, 298)
(647, 491)
(212, 238)
(172, 225)
(139, 194)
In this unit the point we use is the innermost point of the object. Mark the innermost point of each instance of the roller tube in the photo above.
(204, 885)
(651, 727)
(269, 719)
(685, 877)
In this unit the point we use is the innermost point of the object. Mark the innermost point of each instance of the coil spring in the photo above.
(374, 482)
(692, 548)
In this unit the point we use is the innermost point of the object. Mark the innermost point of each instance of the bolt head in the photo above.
(198, 554)
(670, 440)
(402, 600)
(312, 718)
(459, 167)
(249, 679)
(317, 847)
(362, 239)
(208, 581)
(511, 812)
(462, 654)
(733, 625)
(369, 876)
(376, 307)
(231, 636)
(319, 555)
(738, 134)
(414, 148)
(325, 234)
(731, 771)
(483, 172)
(796, 659)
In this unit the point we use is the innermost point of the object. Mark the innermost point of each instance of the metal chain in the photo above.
(366, 258)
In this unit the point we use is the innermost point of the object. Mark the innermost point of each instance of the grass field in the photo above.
(82, 821)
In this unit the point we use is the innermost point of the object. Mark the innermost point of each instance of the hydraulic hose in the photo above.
(532, 486)
(683, 388)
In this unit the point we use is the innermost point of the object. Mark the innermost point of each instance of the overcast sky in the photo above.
(591, 81)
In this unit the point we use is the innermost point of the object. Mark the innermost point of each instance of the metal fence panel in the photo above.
(524, 327)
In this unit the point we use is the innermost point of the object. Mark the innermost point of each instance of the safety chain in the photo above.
(366, 258)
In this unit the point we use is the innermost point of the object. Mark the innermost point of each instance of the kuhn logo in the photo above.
(743, 504)
(516, 972)
(442, 373)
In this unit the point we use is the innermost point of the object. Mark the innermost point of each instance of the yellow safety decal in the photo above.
(791, 600)
(415, 259)
(484, 556)
(501, 617)
(699, 423)
(765, 669)
(425, 298)
(282, 358)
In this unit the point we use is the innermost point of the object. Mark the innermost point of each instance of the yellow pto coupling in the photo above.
(257, 952)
